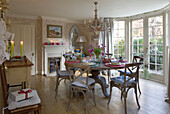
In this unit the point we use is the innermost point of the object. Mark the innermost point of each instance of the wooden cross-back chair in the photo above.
(136, 59)
(60, 75)
(109, 55)
(125, 83)
(12, 107)
(81, 84)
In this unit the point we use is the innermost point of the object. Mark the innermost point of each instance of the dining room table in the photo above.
(95, 71)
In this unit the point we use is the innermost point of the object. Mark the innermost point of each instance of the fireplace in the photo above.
(51, 64)
(50, 52)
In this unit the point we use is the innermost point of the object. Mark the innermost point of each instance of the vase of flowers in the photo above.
(98, 52)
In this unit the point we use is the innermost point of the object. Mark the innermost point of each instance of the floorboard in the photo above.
(151, 99)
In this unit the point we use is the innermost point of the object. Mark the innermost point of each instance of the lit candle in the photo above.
(7, 46)
(12, 48)
(21, 46)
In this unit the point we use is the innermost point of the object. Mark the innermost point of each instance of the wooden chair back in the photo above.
(4, 84)
(56, 66)
(137, 59)
(83, 66)
(67, 55)
(134, 74)
(109, 55)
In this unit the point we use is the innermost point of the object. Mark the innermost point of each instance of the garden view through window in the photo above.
(119, 39)
(155, 50)
(137, 38)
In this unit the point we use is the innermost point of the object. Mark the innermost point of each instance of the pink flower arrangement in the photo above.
(97, 51)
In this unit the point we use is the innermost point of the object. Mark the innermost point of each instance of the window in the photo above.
(137, 37)
(119, 39)
(155, 53)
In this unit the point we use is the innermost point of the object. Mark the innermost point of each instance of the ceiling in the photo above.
(83, 9)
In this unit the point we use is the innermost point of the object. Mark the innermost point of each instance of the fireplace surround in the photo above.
(53, 51)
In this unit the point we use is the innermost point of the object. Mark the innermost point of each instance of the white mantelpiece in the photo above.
(53, 51)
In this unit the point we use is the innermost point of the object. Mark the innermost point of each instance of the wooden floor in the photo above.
(151, 99)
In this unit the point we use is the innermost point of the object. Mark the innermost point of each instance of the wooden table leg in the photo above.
(101, 81)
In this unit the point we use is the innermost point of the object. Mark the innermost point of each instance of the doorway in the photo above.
(25, 33)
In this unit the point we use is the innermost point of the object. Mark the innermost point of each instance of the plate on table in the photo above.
(91, 64)
(114, 65)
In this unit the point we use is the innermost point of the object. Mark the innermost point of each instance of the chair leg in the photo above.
(125, 94)
(57, 83)
(38, 111)
(136, 96)
(110, 93)
(70, 92)
(94, 100)
(122, 91)
(86, 100)
(109, 76)
(139, 88)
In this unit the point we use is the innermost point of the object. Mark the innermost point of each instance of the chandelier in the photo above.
(97, 24)
(3, 7)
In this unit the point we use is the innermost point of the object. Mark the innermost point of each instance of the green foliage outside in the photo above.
(138, 49)
(119, 48)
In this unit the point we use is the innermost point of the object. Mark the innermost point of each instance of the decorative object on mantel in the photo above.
(81, 40)
(96, 24)
(54, 31)
(54, 43)
(4, 37)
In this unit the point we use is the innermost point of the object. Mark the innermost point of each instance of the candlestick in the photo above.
(7, 50)
(21, 48)
(12, 48)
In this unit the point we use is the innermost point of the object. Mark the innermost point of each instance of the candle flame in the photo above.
(22, 42)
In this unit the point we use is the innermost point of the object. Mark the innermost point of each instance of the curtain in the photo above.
(106, 36)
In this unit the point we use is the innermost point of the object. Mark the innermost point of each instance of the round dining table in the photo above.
(101, 80)
(95, 71)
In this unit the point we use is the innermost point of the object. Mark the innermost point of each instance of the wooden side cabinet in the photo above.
(18, 72)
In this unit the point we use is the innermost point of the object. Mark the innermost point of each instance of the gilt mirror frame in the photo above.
(74, 34)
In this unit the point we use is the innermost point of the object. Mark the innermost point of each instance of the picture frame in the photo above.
(54, 31)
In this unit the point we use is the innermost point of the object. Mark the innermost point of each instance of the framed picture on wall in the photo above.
(54, 31)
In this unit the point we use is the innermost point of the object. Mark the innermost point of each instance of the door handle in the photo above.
(32, 54)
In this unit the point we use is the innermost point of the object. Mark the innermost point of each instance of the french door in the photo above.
(147, 41)
(25, 33)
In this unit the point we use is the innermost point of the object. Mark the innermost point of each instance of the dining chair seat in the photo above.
(24, 103)
(80, 84)
(128, 73)
(120, 80)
